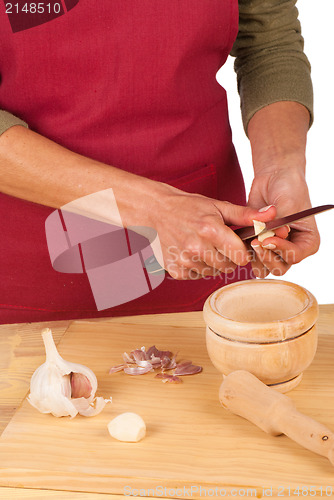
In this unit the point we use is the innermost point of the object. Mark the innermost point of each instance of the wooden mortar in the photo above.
(267, 327)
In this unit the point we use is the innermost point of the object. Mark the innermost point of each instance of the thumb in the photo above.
(237, 215)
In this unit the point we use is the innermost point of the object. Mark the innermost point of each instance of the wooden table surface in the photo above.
(21, 352)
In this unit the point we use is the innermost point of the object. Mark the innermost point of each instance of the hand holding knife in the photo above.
(246, 233)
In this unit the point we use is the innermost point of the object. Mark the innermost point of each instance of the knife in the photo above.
(246, 233)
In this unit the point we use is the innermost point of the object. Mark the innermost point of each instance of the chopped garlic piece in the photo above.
(266, 234)
(258, 226)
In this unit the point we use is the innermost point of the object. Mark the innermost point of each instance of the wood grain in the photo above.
(191, 440)
(273, 363)
(40, 494)
(263, 310)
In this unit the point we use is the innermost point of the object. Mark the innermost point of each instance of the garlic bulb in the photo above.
(63, 388)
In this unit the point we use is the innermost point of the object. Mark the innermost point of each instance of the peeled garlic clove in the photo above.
(258, 226)
(57, 385)
(128, 427)
(260, 230)
(266, 234)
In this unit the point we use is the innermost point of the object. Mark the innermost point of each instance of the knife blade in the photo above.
(246, 233)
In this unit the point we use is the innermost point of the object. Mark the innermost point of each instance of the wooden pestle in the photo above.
(245, 395)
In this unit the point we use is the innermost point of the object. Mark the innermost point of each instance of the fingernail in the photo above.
(288, 228)
(270, 246)
(264, 209)
(255, 245)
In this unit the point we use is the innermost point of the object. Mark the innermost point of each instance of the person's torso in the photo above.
(132, 84)
(129, 83)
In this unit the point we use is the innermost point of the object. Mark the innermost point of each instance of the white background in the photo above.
(316, 272)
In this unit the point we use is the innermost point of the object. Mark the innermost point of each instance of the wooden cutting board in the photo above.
(192, 445)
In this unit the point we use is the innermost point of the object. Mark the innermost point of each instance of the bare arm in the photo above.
(275, 89)
(193, 229)
(39, 170)
(278, 138)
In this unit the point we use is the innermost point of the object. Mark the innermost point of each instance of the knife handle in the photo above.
(246, 396)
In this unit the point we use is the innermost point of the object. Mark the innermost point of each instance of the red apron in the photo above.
(131, 84)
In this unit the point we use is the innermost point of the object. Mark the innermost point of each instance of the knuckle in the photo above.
(243, 262)
(229, 269)
(295, 259)
(193, 247)
(261, 272)
(174, 271)
(292, 257)
(207, 230)
(175, 275)
(316, 246)
(183, 258)
(240, 257)
(209, 271)
(224, 204)
(230, 266)
(278, 271)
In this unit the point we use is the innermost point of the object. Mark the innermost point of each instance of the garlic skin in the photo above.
(54, 382)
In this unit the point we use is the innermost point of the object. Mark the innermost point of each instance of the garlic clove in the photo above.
(57, 385)
(265, 234)
(128, 427)
(261, 232)
(258, 226)
(80, 386)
